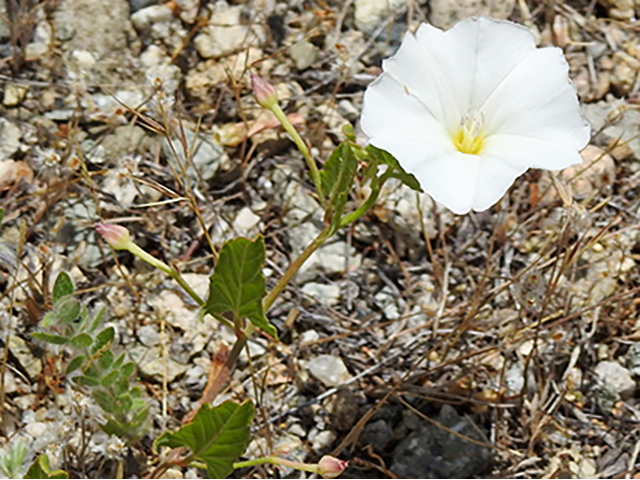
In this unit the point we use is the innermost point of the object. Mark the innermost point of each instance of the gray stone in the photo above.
(325, 294)
(304, 54)
(616, 378)
(207, 155)
(226, 33)
(101, 28)
(9, 138)
(431, 452)
(152, 364)
(329, 369)
(446, 13)
(370, 13)
(614, 124)
(377, 434)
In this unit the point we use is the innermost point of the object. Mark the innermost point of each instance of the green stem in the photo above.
(160, 265)
(305, 467)
(304, 149)
(295, 266)
(368, 203)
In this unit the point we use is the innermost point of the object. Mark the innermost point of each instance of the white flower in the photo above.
(469, 110)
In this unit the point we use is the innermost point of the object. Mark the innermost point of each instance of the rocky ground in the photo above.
(415, 344)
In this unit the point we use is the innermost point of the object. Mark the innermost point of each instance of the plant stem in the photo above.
(368, 203)
(304, 149)
(305, 467)
(295, 266)
(245, 334)
(160, 265)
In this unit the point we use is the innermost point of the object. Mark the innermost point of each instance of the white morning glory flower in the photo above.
(469, 110)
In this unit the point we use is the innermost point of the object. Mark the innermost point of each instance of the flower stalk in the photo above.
(266, 97)
(327, 467)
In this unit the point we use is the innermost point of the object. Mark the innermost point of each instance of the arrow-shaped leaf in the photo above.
(385, 157)
(216, 436)
(237, 284)
(41, 469)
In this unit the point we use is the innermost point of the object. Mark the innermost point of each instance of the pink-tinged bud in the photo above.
(331, 467)
(116, 236)
(264, 92)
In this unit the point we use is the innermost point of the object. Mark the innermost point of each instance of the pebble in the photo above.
(446, 13)
(616, 378)
(431, 452)
(226, 33)
(619, 9)
(19, 348)
(10, 135)
(144, 18)
(322, 440)
(151, 363)
(207, 155)
(329, 369)
(304, 54)
(325, 294)
(370, 13)
(14, 94)
(246, 223)
(149, 335)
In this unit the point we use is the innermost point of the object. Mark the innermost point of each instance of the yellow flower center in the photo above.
(469, 136)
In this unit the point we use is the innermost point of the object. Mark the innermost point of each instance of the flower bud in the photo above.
(264, 92)
(331, 467)
(115, 235)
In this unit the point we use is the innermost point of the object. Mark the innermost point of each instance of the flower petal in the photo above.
(416, 69)
(399, 123)
(476, 55)
(466, 182)
(530, 152)
(538, 100)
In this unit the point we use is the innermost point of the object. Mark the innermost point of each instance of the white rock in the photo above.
(616, 377)
(329, 369)
(246, 222)
(146, 17)
(326, 294)
(322, 440)
(370, 13)
(304, 54)
(225, 33)
(13, 94)
(9, 138)
(309, 336)
(36, 429)
(446, 13)
(188, 9)
(151, 363)
(149, 335)
(207, 155)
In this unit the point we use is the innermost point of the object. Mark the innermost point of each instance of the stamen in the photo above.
(469, 138)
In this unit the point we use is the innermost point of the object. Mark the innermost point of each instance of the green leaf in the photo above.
(106, 359)
(67, 310)
(97, 321)
(385, 157)
(82, 340)
(88, 381)
(118, 362)
(103, 338)
(104, 400)
(339, 171)
(110, 378)
(41, 469)
(75, 364)
(216, 436)
(1, 214)
(50, 338)
(127, 369)
(237, 284)
(62, 287)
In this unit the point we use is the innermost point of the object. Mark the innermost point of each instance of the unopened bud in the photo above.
(264, 92)
(115, 235)
(331, 467)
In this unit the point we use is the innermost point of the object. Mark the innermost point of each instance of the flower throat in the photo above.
(469, 137)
